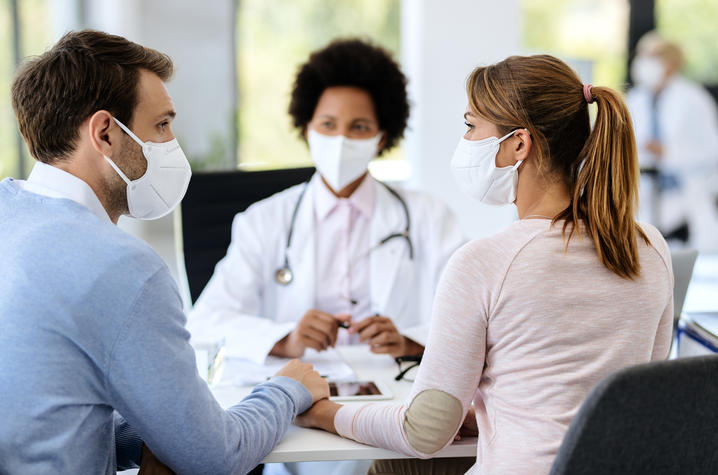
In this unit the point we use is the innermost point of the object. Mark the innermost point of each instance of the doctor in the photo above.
(676, 126)
(342, 250)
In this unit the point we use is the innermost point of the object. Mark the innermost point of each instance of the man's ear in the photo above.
(103, 132)
(522, 146)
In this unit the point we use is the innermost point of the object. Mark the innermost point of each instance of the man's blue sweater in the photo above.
(95, 359)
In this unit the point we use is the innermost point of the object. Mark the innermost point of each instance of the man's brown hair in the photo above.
(86, 71)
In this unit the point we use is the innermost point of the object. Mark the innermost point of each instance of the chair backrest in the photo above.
(683, 261)
(212, 199)
(659, 417)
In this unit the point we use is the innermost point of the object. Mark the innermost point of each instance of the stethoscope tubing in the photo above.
(284, 274)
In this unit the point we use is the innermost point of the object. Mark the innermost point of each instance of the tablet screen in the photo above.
(353, 388)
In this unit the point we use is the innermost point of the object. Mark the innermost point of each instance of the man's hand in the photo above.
(316, 330)
(305, 374)
(383, 337)
(320, 416)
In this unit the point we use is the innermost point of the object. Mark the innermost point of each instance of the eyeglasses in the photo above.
(408, 367)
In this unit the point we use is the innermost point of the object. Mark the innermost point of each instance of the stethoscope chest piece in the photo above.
(284, 275)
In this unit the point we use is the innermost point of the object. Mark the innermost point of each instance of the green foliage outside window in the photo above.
(692, 25)
(35, 38)
(591, 30)
(273, 39)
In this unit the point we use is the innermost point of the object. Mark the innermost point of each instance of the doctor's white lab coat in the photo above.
(244, 304)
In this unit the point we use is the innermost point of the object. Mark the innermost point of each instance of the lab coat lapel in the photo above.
(301, 255)
(390, 266)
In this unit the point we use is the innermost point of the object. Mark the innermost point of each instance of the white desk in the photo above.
(305, 445)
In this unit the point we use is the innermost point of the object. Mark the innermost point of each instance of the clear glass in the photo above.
(210, 360)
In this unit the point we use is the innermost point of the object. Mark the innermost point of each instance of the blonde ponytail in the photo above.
(605, 194)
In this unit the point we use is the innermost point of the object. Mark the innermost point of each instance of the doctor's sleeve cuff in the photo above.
(418, 334)
(255, 344)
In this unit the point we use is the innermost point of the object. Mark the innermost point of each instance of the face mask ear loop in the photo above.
(508, 135)
(518, 162)
(117, 169)
(129, 132)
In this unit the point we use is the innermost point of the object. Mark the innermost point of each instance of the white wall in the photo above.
(199, 37)
(441, 42)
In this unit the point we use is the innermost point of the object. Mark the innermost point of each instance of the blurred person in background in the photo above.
(676, 126)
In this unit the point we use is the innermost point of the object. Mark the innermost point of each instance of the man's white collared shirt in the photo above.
(53, 182)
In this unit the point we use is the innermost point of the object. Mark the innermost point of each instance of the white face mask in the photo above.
(648, 71)
(475, 171)
(340, 160)
(156, 193)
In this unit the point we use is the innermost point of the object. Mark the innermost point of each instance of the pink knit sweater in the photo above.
(524, 330)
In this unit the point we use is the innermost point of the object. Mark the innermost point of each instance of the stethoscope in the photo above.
(284, 274)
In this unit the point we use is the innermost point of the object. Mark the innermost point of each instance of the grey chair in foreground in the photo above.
(655, 418)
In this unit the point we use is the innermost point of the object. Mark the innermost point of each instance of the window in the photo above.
(273, 39)
(691, 24)
(589, 35)
(34, 27)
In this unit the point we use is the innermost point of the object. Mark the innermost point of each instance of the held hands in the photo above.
(383, 337)
(308, 377)
(319, 416)
(316, 330)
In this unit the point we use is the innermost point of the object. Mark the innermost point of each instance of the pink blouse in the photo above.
(524, 328)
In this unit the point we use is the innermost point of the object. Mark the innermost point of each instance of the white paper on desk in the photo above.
(243, 372)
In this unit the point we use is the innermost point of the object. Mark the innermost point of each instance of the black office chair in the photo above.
(656, 418)
(204, 226)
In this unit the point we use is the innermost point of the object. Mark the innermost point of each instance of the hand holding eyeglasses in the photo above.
(383, 337)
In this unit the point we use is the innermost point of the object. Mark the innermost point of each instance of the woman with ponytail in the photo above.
(527, 321)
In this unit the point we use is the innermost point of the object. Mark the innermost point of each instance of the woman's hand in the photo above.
(319, 416)
(383, 337)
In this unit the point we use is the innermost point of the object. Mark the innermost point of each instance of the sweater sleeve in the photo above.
(153, 382)
(449, 373)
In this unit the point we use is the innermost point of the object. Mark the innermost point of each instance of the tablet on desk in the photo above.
(358, 391)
